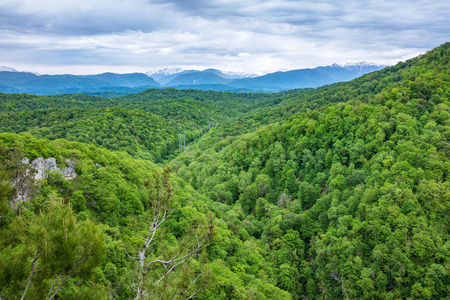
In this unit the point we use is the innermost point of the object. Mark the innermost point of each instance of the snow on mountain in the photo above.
(362, 64)
(166, 71)
(165, 75)
(239, 74)
(7, 69)
(173, 71)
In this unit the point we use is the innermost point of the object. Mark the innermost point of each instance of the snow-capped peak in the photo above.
(356, 64)
(241, 74)
(7, 69)
(166, 71)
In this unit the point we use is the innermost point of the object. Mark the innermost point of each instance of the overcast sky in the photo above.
(95, 36)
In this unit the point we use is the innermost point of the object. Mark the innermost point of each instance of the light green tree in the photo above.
(41, 253)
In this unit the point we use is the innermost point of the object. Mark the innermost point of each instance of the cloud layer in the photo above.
(74, 36)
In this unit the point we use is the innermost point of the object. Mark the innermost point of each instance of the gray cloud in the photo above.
(111, 35)
(72, 17)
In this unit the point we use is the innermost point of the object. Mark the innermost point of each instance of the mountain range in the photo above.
(25, 82)
(338, 192)
(112, 84)
(3, 68)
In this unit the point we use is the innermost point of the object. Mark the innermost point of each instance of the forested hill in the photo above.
(351, 200)
(415, 74)
(145, 125)
(340, 192)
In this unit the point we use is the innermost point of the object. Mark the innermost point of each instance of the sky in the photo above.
(123, 36)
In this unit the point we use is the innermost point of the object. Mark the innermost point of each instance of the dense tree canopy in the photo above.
(338, 192)
(146, 125)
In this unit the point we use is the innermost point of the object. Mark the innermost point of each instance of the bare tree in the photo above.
(161, 208)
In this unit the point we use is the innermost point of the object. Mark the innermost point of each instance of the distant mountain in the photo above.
(14, 78)
(209, 79)
(161, 74)
(348, 71)
(198, 78)
(164, 76)
(23, 82)
(164, 79)
(125, 80)
(305, 78)
(165, 72)
(8, 69)
(230, 75)
(237, 75)
(278, 81)
(8, 89)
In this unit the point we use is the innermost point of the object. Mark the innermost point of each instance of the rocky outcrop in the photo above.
(69, 172)
(43, 166)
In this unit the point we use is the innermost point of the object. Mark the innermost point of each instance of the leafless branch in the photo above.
(36, 257)
(192, 296)
(161, 208)
(65, 278)
(201, 273)
(6, 295)
(170, 270)
(53, 284)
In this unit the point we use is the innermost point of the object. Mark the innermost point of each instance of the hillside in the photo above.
(112, 189)
(138, 133)
(339, 192)
(146, 125)
(351, 189)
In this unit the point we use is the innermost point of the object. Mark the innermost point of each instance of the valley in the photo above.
(331, 190)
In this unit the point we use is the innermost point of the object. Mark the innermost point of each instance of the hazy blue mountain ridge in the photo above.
(197, 78)
(210, 79)
(305, 78)
(166, 75)
(23, 82)
(164, 78)
(126, 80)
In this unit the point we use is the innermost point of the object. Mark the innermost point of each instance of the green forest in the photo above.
(339, 192)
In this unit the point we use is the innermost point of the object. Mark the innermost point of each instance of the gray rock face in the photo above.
(45, 165)
(69, 172)
(42, 167)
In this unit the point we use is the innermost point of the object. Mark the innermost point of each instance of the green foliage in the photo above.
(146, 125)
(136, 132)
(42, 251)
(364, 183)
(338, 192)
(24, 102)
